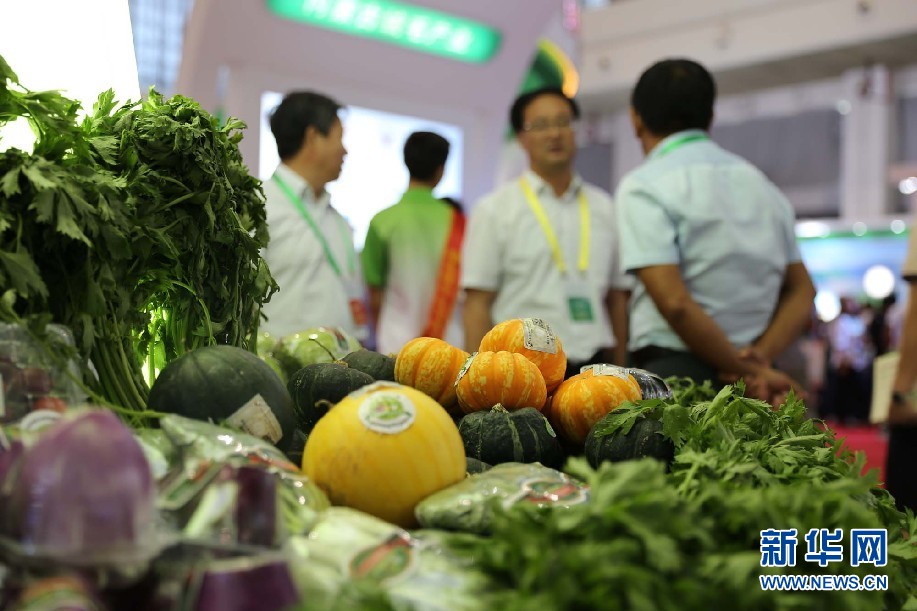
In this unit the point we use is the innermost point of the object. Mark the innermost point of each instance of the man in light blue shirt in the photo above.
(722, 287)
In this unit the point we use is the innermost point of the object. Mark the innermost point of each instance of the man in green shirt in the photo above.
(411, 255)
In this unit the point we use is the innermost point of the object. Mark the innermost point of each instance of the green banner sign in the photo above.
(397, 23)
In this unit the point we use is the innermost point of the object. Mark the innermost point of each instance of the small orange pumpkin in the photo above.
(431, 366)
(507, 378)
(535, 340)
(584, 399)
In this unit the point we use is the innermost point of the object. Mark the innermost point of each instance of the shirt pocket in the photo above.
(528, 256)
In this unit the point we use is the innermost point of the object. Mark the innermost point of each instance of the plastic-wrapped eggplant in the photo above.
(241, 584)
(227, 488)
(83, 494)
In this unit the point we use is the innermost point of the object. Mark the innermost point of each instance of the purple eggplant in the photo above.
(84, 493)
(246, 584)
(256, 508)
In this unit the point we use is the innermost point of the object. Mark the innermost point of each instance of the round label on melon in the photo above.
(387, 412)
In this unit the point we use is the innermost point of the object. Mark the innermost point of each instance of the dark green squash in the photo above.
(473, 465)
(317, 387)
(645, 439)
(296, 447)
(377, 365)
(497, 436)
(214, 383)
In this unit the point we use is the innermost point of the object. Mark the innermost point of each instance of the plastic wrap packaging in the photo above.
(31, 380)
(231, 491)
(82, 495)
(350, 552)
(61, 593)
(651, 385)
(467, 506)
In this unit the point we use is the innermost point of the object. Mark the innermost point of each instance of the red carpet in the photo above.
(866, 439)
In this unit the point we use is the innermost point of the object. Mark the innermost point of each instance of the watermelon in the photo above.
(225, 384)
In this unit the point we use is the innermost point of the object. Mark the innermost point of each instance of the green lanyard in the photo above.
(671, 145)
(351, 258)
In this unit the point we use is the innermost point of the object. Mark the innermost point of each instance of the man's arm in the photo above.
(476, 316)
(794, 309)
(616, 301)
(695, 327)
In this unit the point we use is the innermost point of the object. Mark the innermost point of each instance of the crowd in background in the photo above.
(692, 269)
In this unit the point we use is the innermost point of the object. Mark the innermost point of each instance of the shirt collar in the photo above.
(418, 194)
(301, 187)
(541, 187)
(662, 144)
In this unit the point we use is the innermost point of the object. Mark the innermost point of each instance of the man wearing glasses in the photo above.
(545, 245)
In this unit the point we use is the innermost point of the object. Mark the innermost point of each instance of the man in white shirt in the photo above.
(310, 252)
(545, 245)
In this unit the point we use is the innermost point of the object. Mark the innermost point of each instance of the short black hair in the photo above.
(517, 111)
(673, 95)
(424, 154)
(297, 112)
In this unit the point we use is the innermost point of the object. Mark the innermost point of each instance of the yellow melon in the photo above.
(383, 449)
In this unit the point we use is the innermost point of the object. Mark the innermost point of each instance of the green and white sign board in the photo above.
(398, 23)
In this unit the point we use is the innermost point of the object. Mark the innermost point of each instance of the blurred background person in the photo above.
(412, 254)
(711, 241)
(310, 253)
(850, 366)
(545, 246)
(900, 478)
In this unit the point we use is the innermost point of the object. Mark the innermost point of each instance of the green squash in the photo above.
(380, 367)
(296, 447)
(498, 436)
(218, 384)
(473, 465)
(645, 439)
(317, 387)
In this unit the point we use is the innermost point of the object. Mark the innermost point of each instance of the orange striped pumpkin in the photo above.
(509, 335)
(584, 399)
(507, 378)
(431, 366)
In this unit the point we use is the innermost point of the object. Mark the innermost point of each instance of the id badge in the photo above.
(355, 300)
(578, 294)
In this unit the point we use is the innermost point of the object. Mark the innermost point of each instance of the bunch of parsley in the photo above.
(198, 222)
(139, 228)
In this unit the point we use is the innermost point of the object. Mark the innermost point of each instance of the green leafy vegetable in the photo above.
(690, 539)
(139, 228)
